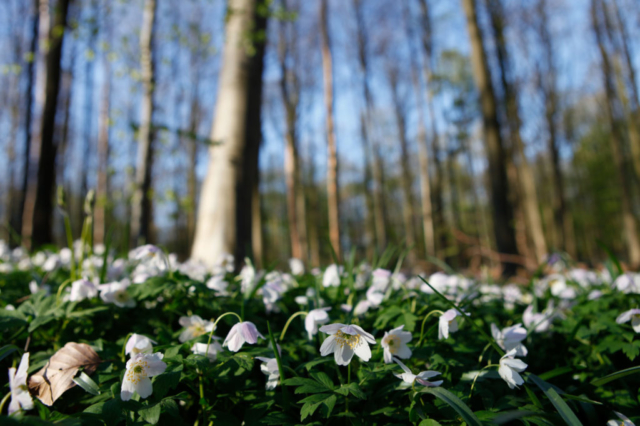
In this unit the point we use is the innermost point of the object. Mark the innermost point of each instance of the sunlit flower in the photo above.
(211, 353)
(344, 341)
(331, 277)
(20, 396)
(224, 264)
(248, 277)
(269, 367)
(314, 318)
(116, 293)
(541, 321)
(240, 333)
(218, 284)
(296, 265)
(510, 367)
(138, 344)
(408, 378)
(82, 289)
(394, 343)
(625, 421)
(447, 324)
(137, 377)
(632, 315)
(194, 327)
(144, 252)
(510, 338)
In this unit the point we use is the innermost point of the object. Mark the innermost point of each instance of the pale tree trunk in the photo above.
(102, 189)
(423, 150)
(141, 202)
(333, 198)
(502, 208)
(370, 213)
(561, 216)
(16, 220)
(408, 212)
(525, 174)
(290, 90)
(42, 213)
(224, 222)
(438, 204)
(632, 111)
(628, 220)
(87, 141)
(312, 192)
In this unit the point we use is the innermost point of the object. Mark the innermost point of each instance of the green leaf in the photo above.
(429, 422)
(324, 379)
(330, 402)
(455, 403)
(164, 382)
(7, 350)
(563, 409)
(307, 385)
(630, 350)
(40, 321)
(151, 414)
(556, 372)
(86, 383)
(87, 312)
(614, 376)
(513, 415)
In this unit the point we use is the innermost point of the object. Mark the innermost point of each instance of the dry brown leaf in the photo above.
(56, 377)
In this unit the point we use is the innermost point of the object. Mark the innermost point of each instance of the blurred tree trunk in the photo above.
(502, 208)
(314, 208)
(141, 202)
(370, 213)
(192, 149)
(408, 211)
(530, 204)
(225, 212)
(290, 90)
(438, 203)
(561, 216)
(333, 198)
(423, 150)
(628, 220)
(102, 189)
(378, 197)
(41, 214)
(17, 214)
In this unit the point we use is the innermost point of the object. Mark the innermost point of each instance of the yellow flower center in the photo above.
(196, 330)
(122, 296)
(347, 339)
(138, 372)
(393, 342)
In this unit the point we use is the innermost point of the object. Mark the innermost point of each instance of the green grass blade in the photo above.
(614, 376)
(455, 403)
(563, 409)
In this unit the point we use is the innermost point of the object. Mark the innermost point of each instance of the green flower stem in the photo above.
(286, 326)
(67, 227)
(424, 321)
(62, 286)
(124, 347)
(464, 314)
(483, 351)
(206, 352)
(348, 383)
(4, 401)
(285, 397)
(478, 375)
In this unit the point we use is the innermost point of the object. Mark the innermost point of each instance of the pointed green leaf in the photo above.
(563, 409)
(455, 403)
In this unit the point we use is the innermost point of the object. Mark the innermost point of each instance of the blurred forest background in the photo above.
(478, 132)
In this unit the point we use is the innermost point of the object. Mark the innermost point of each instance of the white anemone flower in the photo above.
(540, 321)
(346, 340)
(331, 277)
(269, 367)
(447, 324)
(394, 343)
(296, 265)
(510, 367)
(82, 289)
(20, 396)
(194, 327)
(218, 284)
(510, 338)
(211, 353)
(408, 378)
(116, 293)
(632, 315)
(315, 317)
(240, 333)
(625, 420)
(138, 344)
(137, 377)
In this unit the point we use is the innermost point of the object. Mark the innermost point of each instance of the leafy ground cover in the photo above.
(93, 339)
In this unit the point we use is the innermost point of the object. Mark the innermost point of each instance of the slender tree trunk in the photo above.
(88, 115)
(192, 181)
(141, 203)
(628, 220)
(423, 150)
(438, 203)
(224, 223)
(530, 204)
(16, 221)
(314, 219)
(333, 198)
(42, 213)
(102, 190)
(502, 208)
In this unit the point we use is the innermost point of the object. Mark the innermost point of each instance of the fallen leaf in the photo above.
(56, 377)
